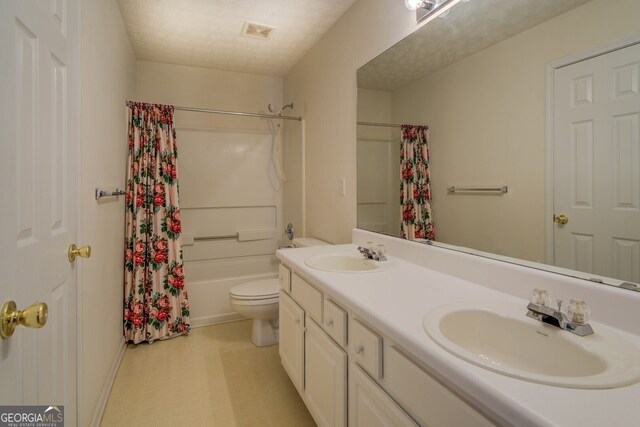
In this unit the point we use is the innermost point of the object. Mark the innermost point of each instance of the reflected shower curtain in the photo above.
(155, 301)
(415, 184)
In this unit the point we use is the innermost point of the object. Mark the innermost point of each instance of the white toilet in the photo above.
(258, 300)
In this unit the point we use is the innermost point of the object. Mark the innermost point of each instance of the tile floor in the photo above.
(213, 377)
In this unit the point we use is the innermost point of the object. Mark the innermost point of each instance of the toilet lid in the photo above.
(257, 289)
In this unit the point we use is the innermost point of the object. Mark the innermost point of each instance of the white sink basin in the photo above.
(345, 262)
(501, 338)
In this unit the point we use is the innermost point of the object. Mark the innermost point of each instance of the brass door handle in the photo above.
(34, 316)
(74, 251)
(561, 219)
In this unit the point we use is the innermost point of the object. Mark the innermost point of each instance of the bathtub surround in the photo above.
(227, 180)
(378, 151)
(156, 305)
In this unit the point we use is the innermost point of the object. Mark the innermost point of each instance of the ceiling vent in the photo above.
(251, 29)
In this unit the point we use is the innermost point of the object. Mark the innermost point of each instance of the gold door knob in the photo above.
(561, 219)
(74, 251)
(34, 316)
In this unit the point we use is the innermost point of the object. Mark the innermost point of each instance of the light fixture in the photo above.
(426, 10)
(416, 4)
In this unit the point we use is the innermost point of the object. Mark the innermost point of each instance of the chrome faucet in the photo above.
(373, 253)
(576, 325)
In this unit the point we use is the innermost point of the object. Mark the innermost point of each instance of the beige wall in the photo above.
(323, 86)
(486, 115)
(227, 178)
(108, 79)
(207, 88)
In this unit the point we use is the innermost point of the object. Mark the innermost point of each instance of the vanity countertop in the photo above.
(395, 301)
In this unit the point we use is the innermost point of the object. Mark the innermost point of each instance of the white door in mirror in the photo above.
(596, 138)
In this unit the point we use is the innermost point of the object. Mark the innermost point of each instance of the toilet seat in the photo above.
(246, 302)
(257, 290)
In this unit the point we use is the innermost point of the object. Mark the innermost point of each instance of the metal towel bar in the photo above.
(484, 190)
(100, 193)
(242, 235)
(208, 238)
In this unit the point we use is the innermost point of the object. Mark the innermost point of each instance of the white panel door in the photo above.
(597, 165)
(39, 78)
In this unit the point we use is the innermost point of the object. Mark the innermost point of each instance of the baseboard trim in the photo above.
(213, 320)
(106, 389)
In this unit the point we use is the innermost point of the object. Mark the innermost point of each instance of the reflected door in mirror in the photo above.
(597, 165)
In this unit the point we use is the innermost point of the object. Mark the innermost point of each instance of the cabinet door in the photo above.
(325, 378)
(370, 406)
(291, 346)
(284, 277)
(425, 398)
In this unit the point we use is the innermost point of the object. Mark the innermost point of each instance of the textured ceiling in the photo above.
(206, 33)
(468, 28)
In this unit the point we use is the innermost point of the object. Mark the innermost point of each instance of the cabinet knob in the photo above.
(329, 322)
(297, 321)
(359, 349)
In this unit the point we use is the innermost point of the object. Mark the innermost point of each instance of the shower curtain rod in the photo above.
(386, 125)
(234, 113)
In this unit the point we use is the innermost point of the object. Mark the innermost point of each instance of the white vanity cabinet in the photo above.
(315, 363)
(385, 386)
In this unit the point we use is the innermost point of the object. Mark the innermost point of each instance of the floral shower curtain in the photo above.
(155, 301)
(415, 184)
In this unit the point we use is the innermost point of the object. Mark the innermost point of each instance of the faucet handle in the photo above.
(559, 302)
(578, 311)
(540, 297)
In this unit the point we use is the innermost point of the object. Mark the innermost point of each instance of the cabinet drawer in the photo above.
(284, 278)
(335, 322)
(366, 347)
(430, 402)
(309, 298)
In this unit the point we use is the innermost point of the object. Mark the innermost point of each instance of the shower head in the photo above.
(272, 109)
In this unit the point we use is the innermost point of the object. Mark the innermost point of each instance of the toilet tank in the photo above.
(303, 242)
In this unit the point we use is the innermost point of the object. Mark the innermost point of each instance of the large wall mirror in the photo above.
(540, 96)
